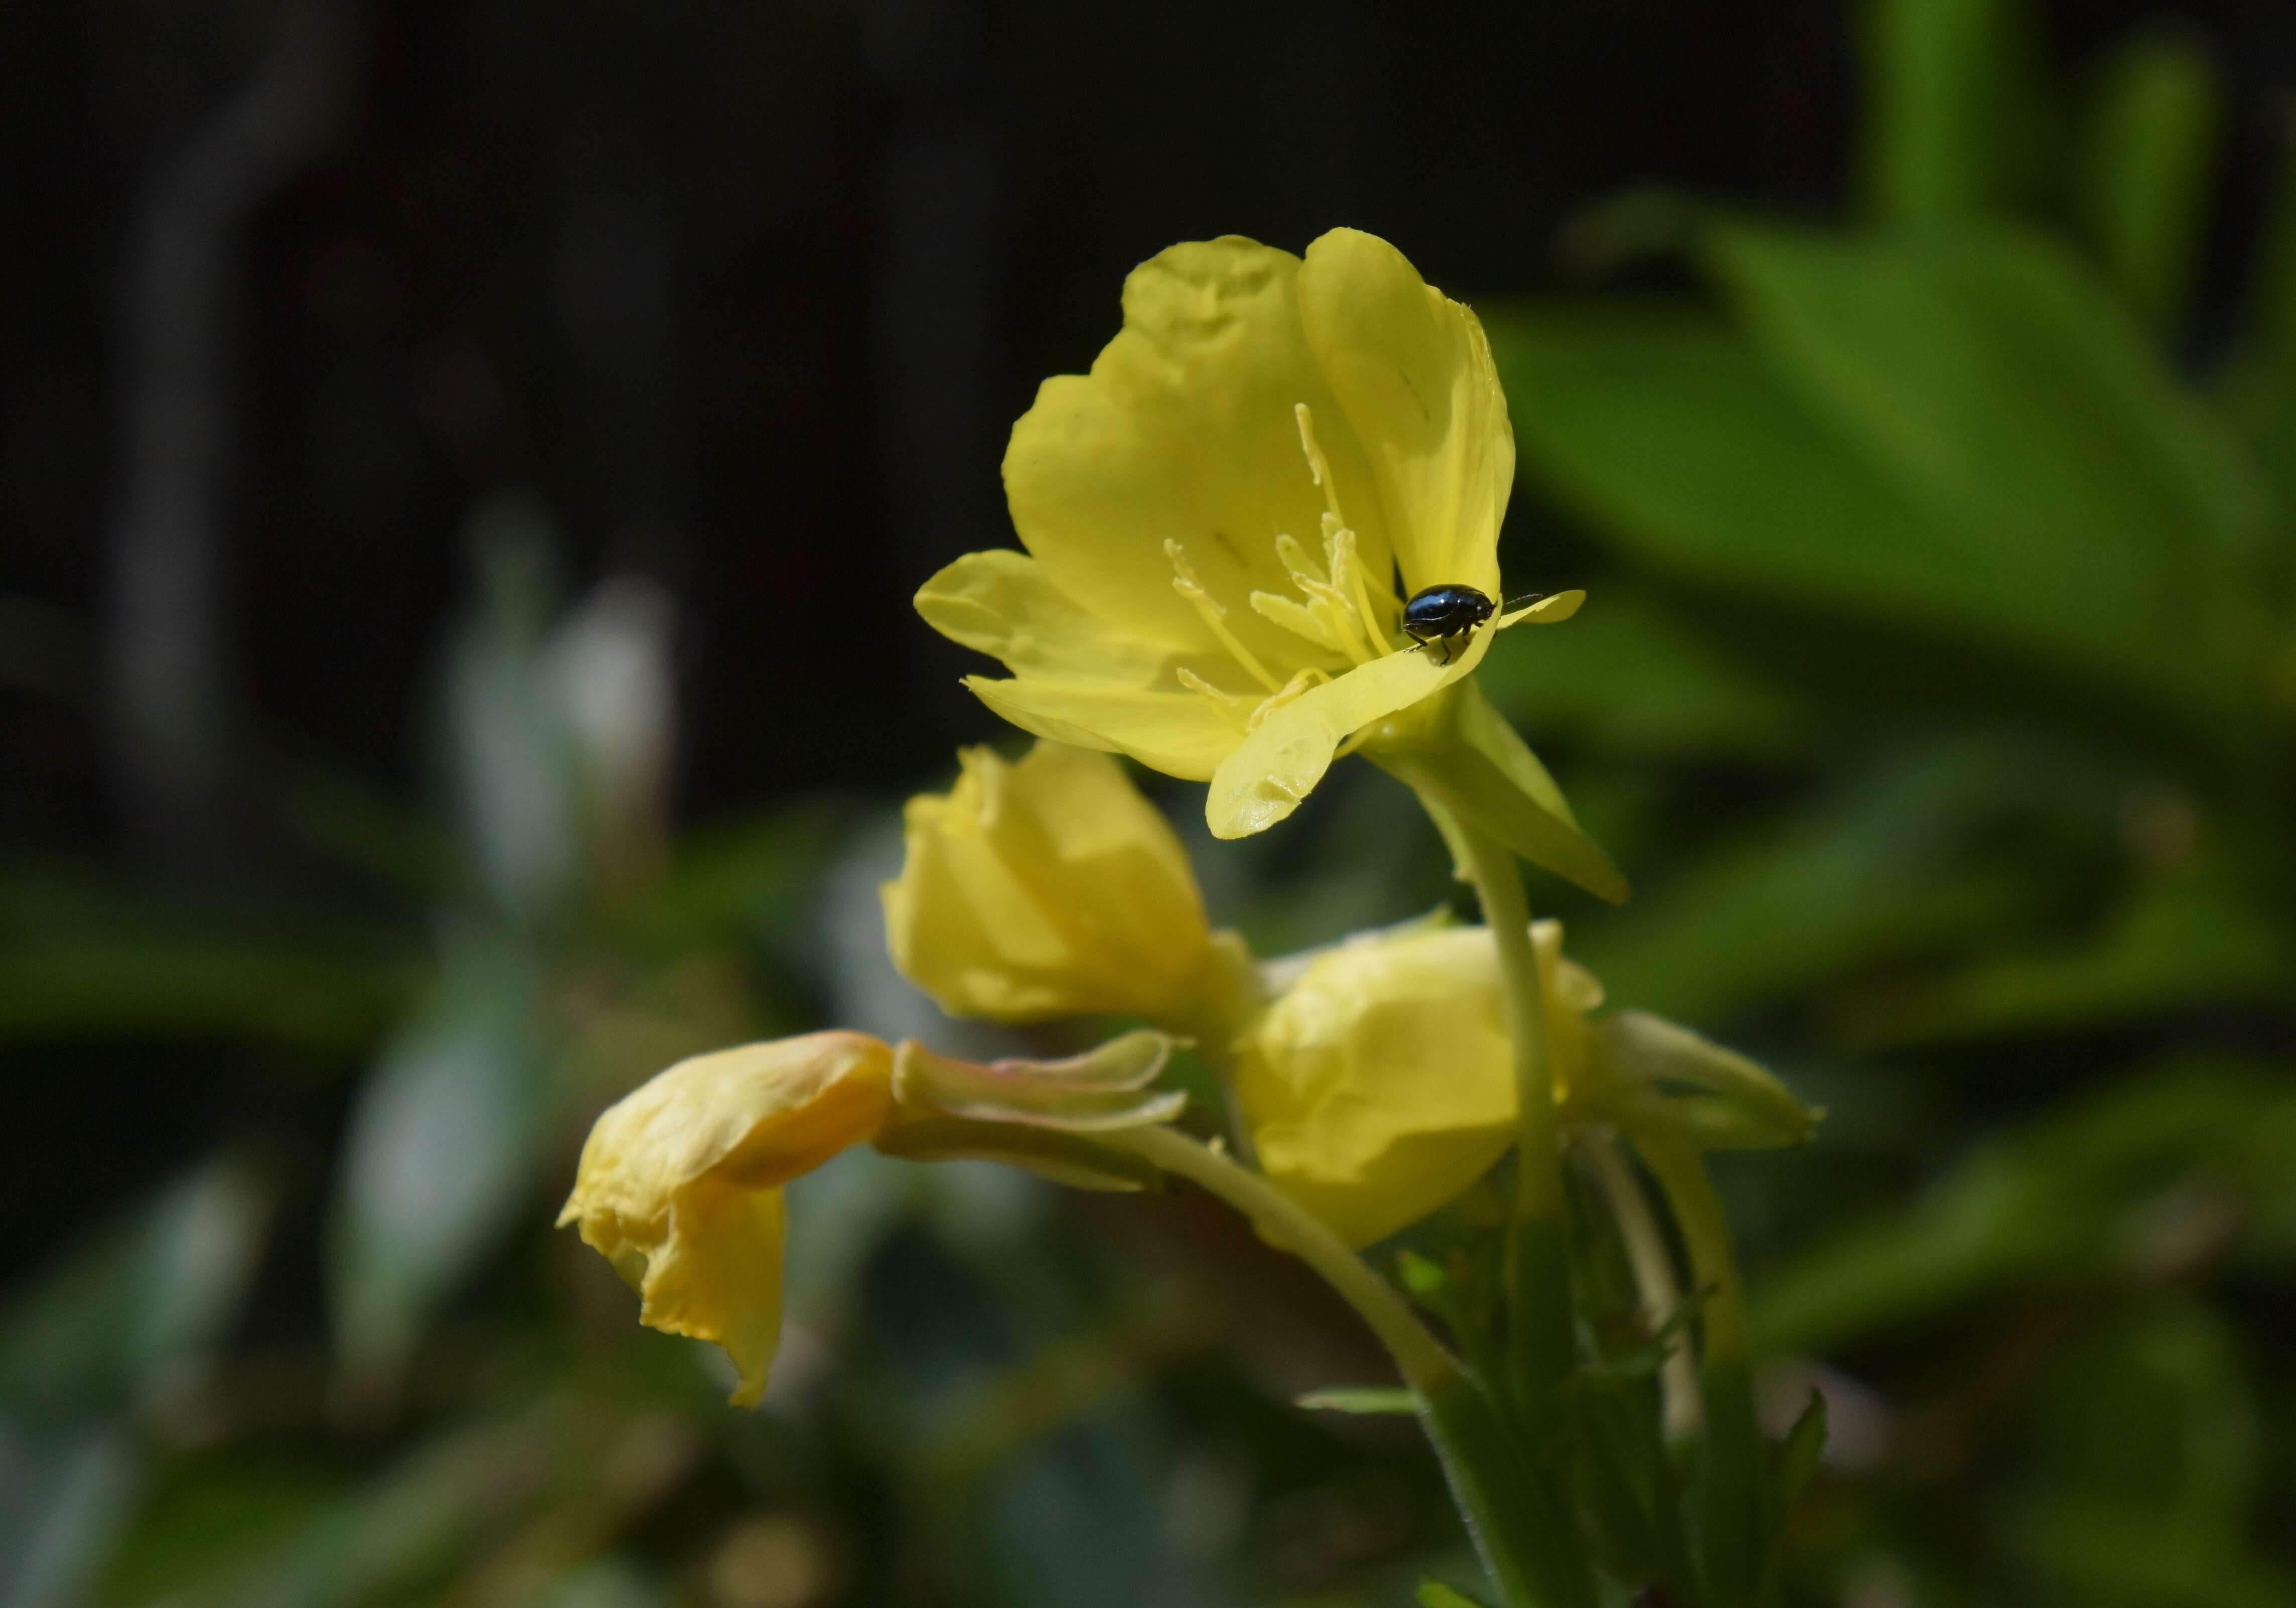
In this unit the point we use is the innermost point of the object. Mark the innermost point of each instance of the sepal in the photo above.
(1648, 1069)
(1064, 1158)
(1097, 1092)
(1473, 769)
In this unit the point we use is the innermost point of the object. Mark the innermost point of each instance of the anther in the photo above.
(1302, 682)
(1230, 706)
(1318, 469)
(1295, 557)
(1348, 575)
(1214, 614)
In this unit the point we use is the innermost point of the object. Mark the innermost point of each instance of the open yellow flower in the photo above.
(1381, 1083)
(1051, 888)
(1218, 516)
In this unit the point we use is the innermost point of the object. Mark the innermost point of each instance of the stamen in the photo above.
(1299, 621)
(1229, 705)
(1348, 574)
(1301, 682)
(1213, 615)
(1317, 469)
(1295, 557)
(1330, 606)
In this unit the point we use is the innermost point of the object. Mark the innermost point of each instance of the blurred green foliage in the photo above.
(1935, 691)
(1979, 586)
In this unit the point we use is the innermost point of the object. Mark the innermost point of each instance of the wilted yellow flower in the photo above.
(1381, 1084)
(1051, 888)
(1217, 517)
(680, 1182)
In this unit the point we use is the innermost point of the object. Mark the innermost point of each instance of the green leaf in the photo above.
(2187, 938)
(1359, 1398)
(1966, 437)
(442, 1150)
(2257, 390)
(210, 1514)
(2148, 156)
(85, 956)
(1893, 862)
(2145, 1465)
(736, 882)
(1514, 1505)
(1797, 1456)
(1956, 114)
(2088, 509)
(1630, 675)
(1665, 430)
(64, 1500)
(404, 1534)
(136, 1301)
(2100, 1188)
(1434, 1593)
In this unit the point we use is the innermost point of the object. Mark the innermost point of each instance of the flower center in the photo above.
(1337, 608)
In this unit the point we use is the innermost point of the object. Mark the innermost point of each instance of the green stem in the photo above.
(1290, 1226)
(1539, 1186)
(1734, 1530)
(1656, 1284)
(1539, 1317)
(1528, 1542)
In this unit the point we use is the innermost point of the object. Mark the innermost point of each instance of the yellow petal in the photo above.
(1413, 373)
(1546, 611)
(1001, 603)
(1381, 1083)
(1273, 768)
(1185, 431)
(717, 1276)
(1049, 888)
(1178, 733)
(679, 1183)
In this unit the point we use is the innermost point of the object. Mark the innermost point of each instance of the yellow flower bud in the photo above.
(1381, 1083)
(680, 1182)
(1048, 887)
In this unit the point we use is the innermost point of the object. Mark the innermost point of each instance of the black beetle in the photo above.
(1439, 616)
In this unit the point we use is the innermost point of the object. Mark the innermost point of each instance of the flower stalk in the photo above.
(1540, 1331)
(1526, 1538)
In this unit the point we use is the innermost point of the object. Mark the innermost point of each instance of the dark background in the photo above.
(749, 294)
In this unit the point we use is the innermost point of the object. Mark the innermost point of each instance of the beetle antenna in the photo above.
(1526, 597)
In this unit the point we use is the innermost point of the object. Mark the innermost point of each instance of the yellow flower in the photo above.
(1381, 1084)
(680, 1184)
(1218, 516)
(1051, 888)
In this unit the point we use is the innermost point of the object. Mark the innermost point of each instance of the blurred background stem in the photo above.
(1661, 1291)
